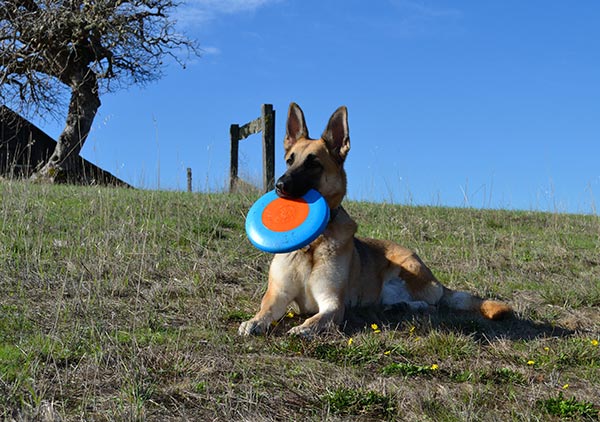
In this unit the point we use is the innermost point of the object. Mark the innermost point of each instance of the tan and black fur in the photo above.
(338, 270)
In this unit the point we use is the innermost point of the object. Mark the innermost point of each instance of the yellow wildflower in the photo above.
(547, 349)
(565, 386)
(434, 367)
(350, 341)
(290, 314)
(387, 352)
(594, 342)
(530, 362)
(374, 326)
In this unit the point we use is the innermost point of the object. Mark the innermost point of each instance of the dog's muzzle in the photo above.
(289, 187)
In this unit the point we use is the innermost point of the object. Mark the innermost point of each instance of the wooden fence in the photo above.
(265, 124)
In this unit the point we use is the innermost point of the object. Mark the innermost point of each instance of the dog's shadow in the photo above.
(511, 327)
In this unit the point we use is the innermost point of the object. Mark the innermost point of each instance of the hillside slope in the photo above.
(124, 304)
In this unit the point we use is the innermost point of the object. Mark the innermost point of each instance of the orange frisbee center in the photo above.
(282, 215)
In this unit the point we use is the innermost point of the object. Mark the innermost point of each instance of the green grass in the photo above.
(124, 305)
(348, 401)
(569, 408)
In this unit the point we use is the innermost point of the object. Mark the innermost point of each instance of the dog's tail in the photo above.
(463, 301)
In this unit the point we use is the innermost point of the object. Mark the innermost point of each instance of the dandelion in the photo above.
(375, 328)
(565, 386)
(594, 343)
(350, 341)
(387, 352)
(530, 362)
(290, 314)
(547, 349)
(434, 367)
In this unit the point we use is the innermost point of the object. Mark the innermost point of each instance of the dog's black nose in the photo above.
(280, 188)
(279, 184)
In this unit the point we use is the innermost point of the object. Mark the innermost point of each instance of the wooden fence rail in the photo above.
(265, 124)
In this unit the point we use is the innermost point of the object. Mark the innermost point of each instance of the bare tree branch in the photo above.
(85, 47)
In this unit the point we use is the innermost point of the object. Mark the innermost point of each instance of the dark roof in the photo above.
(23, 146)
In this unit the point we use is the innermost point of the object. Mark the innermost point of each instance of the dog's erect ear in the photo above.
(295, 126)
(336, 134)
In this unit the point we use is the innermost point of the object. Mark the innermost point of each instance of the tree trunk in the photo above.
(65, 164)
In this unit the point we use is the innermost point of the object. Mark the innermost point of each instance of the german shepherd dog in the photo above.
(339, 271)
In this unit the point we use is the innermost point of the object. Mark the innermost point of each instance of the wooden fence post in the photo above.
(189, 179)
(268, 130)
(266, 124)
(234, 135)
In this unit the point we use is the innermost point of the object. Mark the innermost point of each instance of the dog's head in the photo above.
(315, 163)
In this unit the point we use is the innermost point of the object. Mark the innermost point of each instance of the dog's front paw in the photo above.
(302, 331)
(252, 326)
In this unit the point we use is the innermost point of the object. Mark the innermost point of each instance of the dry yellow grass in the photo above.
(124, 305)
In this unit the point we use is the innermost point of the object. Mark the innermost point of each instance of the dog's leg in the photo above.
(423, 286)
(420, 281)
(331, 313)
(273, 306)
(327, 285)
(395, 295)
(283, 288)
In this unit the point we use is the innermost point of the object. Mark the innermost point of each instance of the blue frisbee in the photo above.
(279, 225)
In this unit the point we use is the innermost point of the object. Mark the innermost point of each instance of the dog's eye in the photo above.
(312, 162)
(290, 160)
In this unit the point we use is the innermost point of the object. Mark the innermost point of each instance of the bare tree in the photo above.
(81, 48)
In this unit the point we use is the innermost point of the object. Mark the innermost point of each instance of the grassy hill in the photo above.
(124, 305)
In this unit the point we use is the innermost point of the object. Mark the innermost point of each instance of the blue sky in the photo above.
(451, 103)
